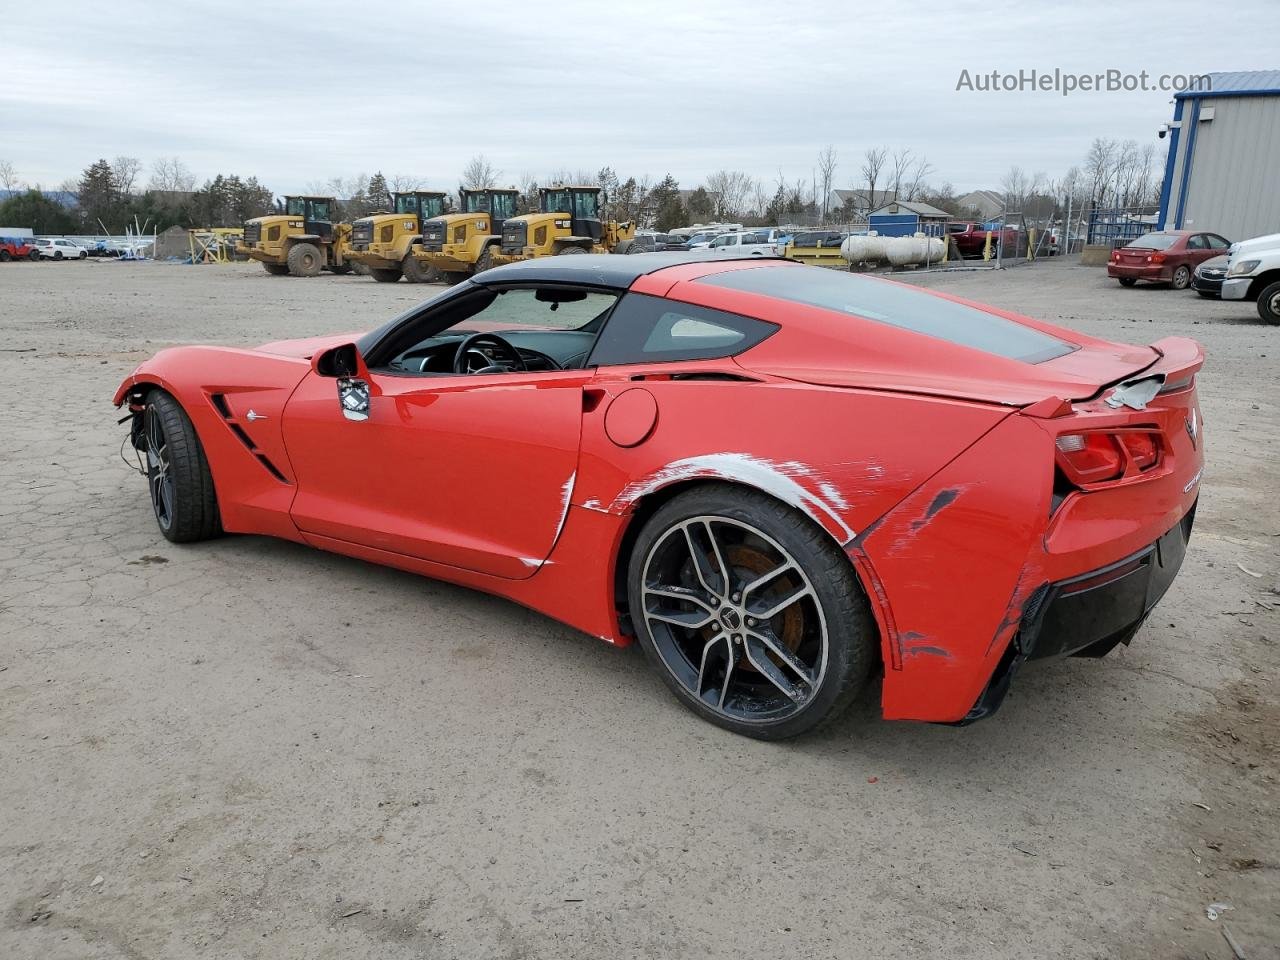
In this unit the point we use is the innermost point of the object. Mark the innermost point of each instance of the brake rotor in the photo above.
(747, 563)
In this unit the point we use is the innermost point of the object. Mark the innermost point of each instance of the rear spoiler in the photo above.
(1180, 358)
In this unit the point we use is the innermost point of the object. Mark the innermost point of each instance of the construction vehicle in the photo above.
(384, 242)
(300, 242)
(459, 244)
(568, 221)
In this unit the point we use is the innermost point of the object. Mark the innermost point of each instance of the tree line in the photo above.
(110, 195)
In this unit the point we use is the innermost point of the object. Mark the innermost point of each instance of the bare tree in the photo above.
(873, 162)
(480, 174)
(125, 171)
(760, 199)
(9, 176)
(170, 175)
(908, 174)
(729, 191)
(828, 160)
(403, 183)
(1014, 184)
(1099, 169)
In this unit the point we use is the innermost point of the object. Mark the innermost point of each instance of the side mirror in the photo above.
(340, 361)
(344, 364)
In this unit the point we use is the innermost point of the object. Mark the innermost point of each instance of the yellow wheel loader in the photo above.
(459, 244)
(384, 242)
(568, 221)
(300, 242)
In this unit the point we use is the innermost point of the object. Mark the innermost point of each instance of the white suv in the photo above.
(60, 249)
(743, 243)
(1253, 273)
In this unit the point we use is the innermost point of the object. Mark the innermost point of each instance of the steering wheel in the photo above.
(468, 350)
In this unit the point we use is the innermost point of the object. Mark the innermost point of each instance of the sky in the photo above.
(297, 93)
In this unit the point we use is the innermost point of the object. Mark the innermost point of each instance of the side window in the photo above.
(645, 329)
(1216, 242)
(1196, 242)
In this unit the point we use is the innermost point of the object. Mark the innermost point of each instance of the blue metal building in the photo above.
(1223, 169)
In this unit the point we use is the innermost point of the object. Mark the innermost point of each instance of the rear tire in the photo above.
(57, 255)
(84, 253)
(341, 269)
(730, 667)
(34, 256)
(4, 256)
(384, 276)
(305, 260)
(1181, 278)
(181, 486)
(1269, 304)
(565, 251)
(276, 269)
(1128, 281)
(416, 271)
(625, 246)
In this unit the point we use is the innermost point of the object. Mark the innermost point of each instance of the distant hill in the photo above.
(62, 197)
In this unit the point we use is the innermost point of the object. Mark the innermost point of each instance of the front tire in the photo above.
(83, 254)
(390, 275)
(57, 255)
(305, 260)
(563, 251)
(750, 612)
(415, 271)
(1181, 278)
(1269, 304)
(485, 260)
(178, 477)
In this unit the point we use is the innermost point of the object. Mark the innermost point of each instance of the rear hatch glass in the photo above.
(899, 306)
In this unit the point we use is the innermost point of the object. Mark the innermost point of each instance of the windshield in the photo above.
(295, 207)
(1155, 241)
(503, 206)
(900, 306)
(579, 204)
(407, 203)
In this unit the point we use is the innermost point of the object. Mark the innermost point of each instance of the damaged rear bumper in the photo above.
(1089, 615)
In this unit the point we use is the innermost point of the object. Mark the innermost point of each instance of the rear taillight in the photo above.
(1100, 456)
(1156, 258)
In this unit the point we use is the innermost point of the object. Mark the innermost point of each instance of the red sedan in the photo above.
(1170, 256)
(781, 480)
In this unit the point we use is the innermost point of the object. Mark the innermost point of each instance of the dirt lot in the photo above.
(248, 749)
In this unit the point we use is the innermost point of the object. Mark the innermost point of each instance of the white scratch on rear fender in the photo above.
(779, 479)
(531, 561)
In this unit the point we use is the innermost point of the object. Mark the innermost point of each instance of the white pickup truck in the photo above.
(1253, 273)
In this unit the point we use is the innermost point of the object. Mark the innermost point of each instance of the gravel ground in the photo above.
(245, 748)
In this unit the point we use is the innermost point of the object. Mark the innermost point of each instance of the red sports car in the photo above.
(782, 480)
(1170, 256)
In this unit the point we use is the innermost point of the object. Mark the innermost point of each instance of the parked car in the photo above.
(1167, 256)
(1207, 278)
(999, 491)
(18, 248)
(60, 249)
(1253, 273)
(742, 242)
(970, 239)
(700, 240)
(654, 243)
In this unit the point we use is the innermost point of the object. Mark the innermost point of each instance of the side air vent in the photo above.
(219, 402)
(271, 468)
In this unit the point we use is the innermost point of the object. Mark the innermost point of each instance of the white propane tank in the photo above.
(863, 249)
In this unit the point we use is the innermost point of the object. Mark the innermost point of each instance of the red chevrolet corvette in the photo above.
(781, 479)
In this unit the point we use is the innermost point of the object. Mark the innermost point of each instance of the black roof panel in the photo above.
(596, 269)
